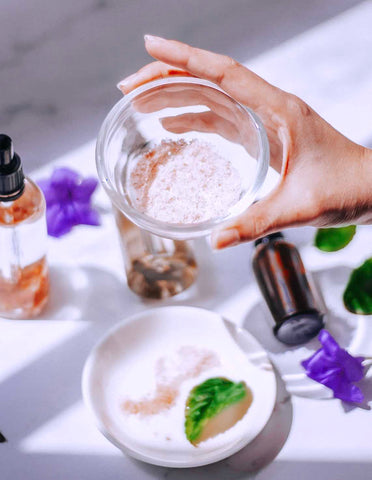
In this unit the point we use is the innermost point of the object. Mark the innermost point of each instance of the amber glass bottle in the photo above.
(287, 290)
(24, 284)
(156, 267)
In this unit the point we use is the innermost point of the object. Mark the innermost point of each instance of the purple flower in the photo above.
(335, 368)
(68, 200)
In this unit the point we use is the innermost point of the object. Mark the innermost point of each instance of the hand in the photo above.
(325, 178)
(217, 119)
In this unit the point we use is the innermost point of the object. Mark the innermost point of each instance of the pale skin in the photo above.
(326, 179)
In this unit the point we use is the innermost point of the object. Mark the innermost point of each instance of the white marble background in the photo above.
(60, 60)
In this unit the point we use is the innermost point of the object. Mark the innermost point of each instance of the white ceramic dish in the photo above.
(122, 366)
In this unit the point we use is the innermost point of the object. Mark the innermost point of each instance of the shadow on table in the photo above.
(87, 294)
(321, 470)
(93, 299)
(97, 467)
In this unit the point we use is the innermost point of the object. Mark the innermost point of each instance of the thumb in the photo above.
(274, 212)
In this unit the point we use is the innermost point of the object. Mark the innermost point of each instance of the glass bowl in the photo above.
(191, 109)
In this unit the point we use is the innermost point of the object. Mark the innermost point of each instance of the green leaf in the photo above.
(358, 292)
(207, 400)
(333, 239)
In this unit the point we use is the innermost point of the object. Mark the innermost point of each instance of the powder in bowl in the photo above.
(183, 182)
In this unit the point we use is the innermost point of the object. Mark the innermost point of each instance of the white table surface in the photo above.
(51, 435)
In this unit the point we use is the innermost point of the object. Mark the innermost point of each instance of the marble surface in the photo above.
(50, 434)
(60, 61)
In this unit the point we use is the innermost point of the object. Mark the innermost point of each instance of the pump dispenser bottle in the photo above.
(285, 286)
(24, 281)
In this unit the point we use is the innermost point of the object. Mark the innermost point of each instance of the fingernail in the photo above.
(121, 85)
(153, 38)
(225, 238)
(124, 84)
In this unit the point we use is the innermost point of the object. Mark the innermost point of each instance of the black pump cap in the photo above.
(299, 328)
(268, 238)
(12, 180)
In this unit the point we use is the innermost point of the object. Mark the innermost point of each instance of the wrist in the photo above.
(365, 187)
(367, 156)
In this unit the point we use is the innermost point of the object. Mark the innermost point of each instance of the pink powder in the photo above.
(170, 372)
(184, 182)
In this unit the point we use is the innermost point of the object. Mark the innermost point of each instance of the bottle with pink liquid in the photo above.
(24, 281)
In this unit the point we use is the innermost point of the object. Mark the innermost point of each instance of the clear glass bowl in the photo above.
(137, 122)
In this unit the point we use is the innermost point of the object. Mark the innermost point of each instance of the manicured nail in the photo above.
(124, 84)
(225, 238)
(153, 38)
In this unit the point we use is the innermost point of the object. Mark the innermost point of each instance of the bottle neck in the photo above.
(268, 238)
(11, 174)
(13, 196)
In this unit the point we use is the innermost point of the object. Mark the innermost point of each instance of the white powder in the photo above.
(184, 182)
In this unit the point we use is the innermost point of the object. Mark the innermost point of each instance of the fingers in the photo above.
(176, 58)
(256, 222)
(152, 71)
(179, 95)
(281, 209)
(236, 80)
(207, 122)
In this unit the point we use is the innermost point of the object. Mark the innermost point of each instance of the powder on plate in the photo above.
(170, 372)
(184, 182)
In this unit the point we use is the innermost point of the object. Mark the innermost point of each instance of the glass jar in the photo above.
(156, 267)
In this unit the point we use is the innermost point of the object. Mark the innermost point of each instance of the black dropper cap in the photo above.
(285, 286)
(12, 179)
(299, 328)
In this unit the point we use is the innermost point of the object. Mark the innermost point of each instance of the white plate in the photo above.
(122, 365)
